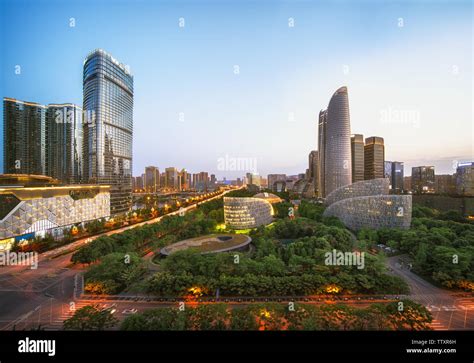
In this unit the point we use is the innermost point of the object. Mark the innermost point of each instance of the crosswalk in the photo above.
(66, 312)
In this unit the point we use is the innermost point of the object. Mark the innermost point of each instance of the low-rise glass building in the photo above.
(32, 206)
(249, 212)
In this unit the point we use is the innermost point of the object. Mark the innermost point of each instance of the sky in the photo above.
(245, 80)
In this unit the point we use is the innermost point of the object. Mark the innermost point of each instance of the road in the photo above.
(449, 311)
(47, 291)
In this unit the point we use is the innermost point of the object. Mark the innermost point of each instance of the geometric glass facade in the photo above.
(367, 204)
(108, 105)
(39, 209)
(244, 213)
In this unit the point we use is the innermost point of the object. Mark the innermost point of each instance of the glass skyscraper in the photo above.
(335, 143)
(64, 142)
(108, 106)
(24, 137)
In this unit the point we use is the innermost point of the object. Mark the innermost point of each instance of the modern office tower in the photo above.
(321, 151)
(108, 102)
(374, 157)
(394, 172)
(357, 157)
(334, 142)
(171, 178)
(397, 177)
(64, 142)
(314, 169)
(422, 179)
(24, 143)
(152, 179)
(445, 184)
(465, 179)
(213, 179)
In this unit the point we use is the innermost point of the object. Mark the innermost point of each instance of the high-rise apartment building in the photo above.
(423, 179)
(357, 157)
(374, 157)
(108, 102)
(64, 142)
(24, 132)
(334, 143)
(171, 178)
(152, 179)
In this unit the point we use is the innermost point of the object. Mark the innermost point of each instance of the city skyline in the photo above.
(204, 99)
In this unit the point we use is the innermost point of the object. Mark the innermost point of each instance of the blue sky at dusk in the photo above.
(410, 84)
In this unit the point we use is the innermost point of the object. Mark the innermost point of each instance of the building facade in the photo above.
(64, 142)
(245, 213)
(374, 157)
(335, 143)
(24, 137)
(33, 206)
(423, 179)
(367, 204)
(465, 179)
(394, 171)
(108, 102)
(152, 179)
(357, 157)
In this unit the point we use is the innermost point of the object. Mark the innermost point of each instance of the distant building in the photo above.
(171, 178)
(445, 184)
(313, 166)
(24, 137)
(465, 179)
(394, 172)
(374, 157)
(357, 157)
(273, 178)
(423, 179)
(407, 183)
(152, 179)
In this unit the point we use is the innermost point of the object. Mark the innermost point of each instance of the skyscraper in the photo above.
(152, 179)
(108, 100)
(374, 157)
(64, 142)
(423, 179)
(465, 178)
(171, 178)
(357, 157)
(24, 137)
(394, 172)
(335, 143)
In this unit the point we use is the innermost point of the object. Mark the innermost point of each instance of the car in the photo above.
(129, 311)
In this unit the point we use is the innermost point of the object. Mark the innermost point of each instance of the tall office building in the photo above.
(152, 179)
(64, 142)
(334, 143)
(374, 157)
(183, 177)
(171, 178)
(108, 102)
(394, 172)
(423, 179)
(24, 132)
(357, 157)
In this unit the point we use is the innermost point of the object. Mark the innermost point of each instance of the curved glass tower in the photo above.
(108, 127)
(336, 142)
